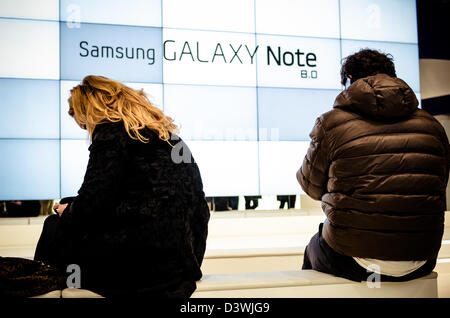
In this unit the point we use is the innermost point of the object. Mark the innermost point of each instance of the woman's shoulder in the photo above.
(116, 132)
(111, 131)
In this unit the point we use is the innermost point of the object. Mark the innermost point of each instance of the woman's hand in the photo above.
(59, 208)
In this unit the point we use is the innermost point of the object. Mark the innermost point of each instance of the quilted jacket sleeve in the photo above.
(313, 174)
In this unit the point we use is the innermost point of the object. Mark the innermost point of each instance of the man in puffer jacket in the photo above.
(380, 166)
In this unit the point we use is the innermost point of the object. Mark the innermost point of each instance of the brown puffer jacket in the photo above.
(380, 166)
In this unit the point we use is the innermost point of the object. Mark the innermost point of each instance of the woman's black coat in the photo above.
(139, 222)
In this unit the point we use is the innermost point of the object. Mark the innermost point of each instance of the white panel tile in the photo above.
(125, 12)
(200, 57)
(30, 49)
(227, 167)
(30, 9)
(292, 111)
(29, 108)
(380, 20)
(286, 61)
(212, 112)
(318, 18)
(124, 53)
(29, 169)
(230, 15)
(279, 163)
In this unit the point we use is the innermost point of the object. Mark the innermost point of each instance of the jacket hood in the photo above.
(378, 97)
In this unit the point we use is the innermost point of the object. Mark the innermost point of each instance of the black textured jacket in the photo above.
(380, 165)
(139, 222)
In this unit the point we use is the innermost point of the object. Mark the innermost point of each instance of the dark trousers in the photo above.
(56, 249)
(52, 247)
(251, 202)
(289, 199)
(321, 257)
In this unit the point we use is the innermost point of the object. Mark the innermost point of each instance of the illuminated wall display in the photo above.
(244, 79)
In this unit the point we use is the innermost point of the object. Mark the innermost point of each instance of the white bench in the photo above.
(261, 242)
(291, 284)
(266, 242)
(308, 284)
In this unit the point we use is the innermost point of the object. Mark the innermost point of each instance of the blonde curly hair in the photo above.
(100, 100)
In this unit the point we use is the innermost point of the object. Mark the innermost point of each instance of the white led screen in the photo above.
(245, 80)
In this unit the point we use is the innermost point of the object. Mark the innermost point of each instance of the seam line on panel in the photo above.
(257, 101)
(59, 102)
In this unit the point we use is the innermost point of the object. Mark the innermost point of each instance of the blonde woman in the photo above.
(139, 223)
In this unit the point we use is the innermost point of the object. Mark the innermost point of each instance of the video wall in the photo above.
(244, 79)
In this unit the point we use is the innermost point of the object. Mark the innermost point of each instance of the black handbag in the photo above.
(21, 277)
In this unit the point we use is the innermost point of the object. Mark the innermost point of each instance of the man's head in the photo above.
(365, 63)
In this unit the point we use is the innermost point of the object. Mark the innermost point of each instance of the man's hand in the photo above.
(59, 208)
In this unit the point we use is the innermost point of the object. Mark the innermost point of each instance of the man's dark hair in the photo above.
(365, 63)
